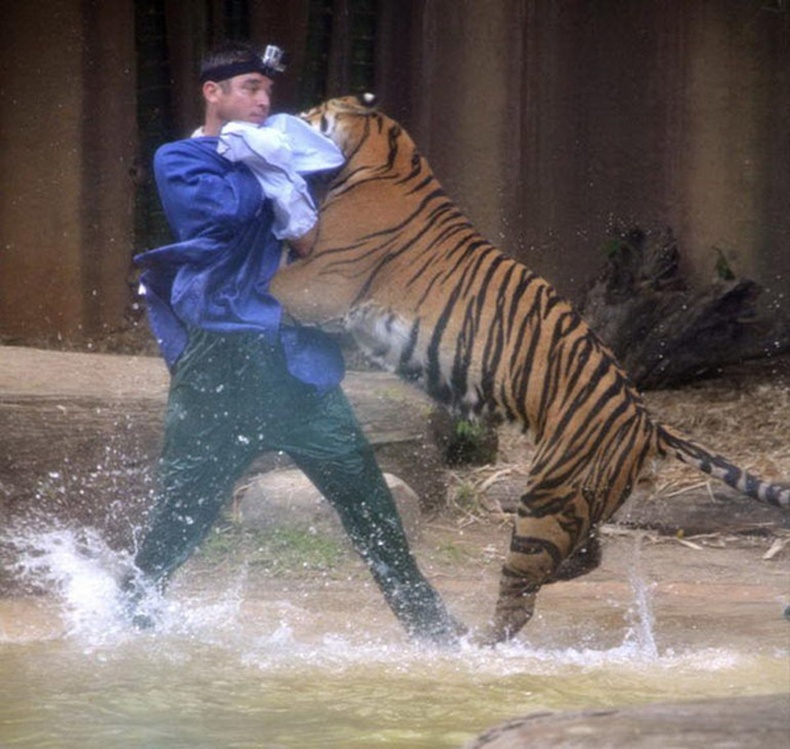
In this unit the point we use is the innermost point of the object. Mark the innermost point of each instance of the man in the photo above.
(242, 381)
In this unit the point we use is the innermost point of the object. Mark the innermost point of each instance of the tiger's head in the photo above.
(343, 120)
(366, 136)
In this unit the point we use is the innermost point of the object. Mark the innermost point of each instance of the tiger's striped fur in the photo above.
(428, 297)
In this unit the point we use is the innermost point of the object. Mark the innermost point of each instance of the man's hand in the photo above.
(303, 245)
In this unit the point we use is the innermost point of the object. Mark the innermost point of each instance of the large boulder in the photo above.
(288, 499)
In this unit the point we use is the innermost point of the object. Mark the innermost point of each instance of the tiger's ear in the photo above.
(367, 100)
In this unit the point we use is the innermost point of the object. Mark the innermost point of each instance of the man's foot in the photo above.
(445, 633)
(143, 621)
(427, 620)
(135, 601)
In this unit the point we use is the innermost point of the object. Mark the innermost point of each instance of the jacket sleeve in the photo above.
(202, 194)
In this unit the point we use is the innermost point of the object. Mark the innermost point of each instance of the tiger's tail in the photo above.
(672, 442)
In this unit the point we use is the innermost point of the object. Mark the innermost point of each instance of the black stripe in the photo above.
(408, 350)
(532, 545)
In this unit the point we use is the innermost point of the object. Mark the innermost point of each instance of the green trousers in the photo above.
(231, 398)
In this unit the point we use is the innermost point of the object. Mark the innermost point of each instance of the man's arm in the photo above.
(200, 194)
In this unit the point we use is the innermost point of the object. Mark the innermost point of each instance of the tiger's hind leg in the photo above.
(583, 561)
(546, 535)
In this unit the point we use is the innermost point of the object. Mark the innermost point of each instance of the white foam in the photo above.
(83, 572)
(80, 569)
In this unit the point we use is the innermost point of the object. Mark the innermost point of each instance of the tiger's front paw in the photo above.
(508, 621)
(496, 632)
(487, 637)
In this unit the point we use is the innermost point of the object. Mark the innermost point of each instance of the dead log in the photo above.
(663, 331)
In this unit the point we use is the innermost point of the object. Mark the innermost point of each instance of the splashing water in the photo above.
(642, 629)
(84, 573)
(80, 569)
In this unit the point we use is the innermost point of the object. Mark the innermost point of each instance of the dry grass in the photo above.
(743, 416)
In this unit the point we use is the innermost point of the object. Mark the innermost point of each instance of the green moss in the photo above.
(279, 551)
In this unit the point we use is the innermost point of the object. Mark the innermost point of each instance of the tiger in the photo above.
(397, 263)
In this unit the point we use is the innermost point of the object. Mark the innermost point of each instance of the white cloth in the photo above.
(278, 152)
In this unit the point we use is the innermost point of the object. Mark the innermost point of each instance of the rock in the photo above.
(287, 499)
(693, 512)
(697, 512)
(734, 723)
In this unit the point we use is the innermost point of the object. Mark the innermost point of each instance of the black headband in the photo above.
(223, 72)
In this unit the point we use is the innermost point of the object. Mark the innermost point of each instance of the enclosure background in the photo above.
(551, 122)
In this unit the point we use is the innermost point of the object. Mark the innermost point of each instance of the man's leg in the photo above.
(205, 452)
(331, 449)
(201, 461)
(232, 398)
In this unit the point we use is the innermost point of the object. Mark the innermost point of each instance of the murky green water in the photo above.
(209, 686)
(228, 669)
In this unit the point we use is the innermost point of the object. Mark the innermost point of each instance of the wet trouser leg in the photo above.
(205, 452)
(231, 398)
(334, 453)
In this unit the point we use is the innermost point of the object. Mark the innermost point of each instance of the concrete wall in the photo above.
(67, 133)
(550, 122)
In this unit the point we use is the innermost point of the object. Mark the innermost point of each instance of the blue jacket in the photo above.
(216, 275)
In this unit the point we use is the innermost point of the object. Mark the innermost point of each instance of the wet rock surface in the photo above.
(81, 434)
(746, 723)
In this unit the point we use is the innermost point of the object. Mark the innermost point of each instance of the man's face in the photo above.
(243, 98)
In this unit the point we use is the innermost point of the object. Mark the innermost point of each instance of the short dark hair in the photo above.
(236, 58)
(227, 53)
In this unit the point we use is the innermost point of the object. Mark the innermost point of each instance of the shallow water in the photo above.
(226, 668)
(200, 686)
